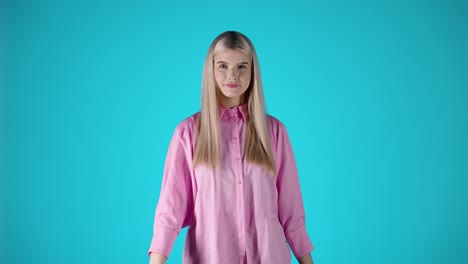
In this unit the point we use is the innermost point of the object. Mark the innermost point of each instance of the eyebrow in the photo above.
(244, 62)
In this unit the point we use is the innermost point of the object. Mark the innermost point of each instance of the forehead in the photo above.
(231, 56)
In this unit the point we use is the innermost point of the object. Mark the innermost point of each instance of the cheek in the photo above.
(247, 78)
(218, 77)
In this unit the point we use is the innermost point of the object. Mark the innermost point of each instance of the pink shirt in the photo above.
(240, 215)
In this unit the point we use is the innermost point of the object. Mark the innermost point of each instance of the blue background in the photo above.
(373, 93)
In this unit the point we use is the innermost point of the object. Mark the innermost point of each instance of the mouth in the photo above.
(232, 85)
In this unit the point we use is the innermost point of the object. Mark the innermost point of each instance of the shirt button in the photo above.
(239, 182)
(237, 158)
(234, 138)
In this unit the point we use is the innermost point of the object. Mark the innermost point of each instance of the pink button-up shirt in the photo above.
(242, 214)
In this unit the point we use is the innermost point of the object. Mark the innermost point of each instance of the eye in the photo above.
(242, 66)
(222, 66)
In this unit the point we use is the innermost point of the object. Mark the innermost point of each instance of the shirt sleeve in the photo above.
(174, 210)
(290, 203)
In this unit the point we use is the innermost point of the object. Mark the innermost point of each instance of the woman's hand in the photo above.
(306, 259)
(156, 258)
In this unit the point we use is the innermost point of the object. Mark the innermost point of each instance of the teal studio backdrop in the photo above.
(373, 93)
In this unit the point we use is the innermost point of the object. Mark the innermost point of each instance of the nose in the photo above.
(232, 74)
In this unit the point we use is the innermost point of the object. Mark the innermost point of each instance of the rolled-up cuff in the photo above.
(299, 242)
(162, 242)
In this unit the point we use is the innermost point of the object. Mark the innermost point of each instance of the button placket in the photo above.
(237, 160)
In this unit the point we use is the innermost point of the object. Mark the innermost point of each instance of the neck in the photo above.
(228, 103)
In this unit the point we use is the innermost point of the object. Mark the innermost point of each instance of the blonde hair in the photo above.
(258, 148)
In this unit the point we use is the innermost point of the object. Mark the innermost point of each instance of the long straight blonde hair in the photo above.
(258, 148)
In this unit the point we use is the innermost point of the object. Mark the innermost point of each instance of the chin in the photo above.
(231, 95)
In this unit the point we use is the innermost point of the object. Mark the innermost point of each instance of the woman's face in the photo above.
(232, 71)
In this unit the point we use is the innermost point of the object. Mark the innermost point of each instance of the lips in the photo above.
(232, 85)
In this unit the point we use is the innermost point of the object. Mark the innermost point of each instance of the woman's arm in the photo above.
(174, 210)
(157, 259)
(306, 259)
(291, 212)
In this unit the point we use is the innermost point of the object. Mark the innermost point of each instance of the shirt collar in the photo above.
(240, 111)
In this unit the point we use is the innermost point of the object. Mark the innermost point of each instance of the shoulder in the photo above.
(187, 127)
(277, 130)
(275, 125)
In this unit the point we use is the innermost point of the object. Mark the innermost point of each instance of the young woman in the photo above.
(230, 174)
